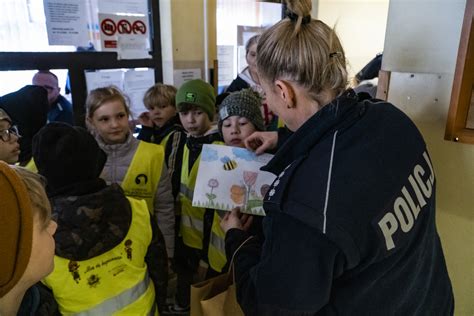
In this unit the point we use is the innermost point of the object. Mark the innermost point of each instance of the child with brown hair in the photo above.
(161, 125)
(195, 102)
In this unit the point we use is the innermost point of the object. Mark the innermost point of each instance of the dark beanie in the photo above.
(67, 155)
(245, 103)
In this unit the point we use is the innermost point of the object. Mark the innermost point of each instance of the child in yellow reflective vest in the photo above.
(161, 125)
(239, 117)
(136, 165)
(195, 102)
(110, 257)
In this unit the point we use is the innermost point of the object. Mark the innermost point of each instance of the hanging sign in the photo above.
(112, 26)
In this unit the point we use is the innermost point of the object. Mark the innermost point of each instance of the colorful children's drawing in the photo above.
(230, 177)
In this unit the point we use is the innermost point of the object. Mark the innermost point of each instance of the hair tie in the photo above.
(294, 17)
(335, 54)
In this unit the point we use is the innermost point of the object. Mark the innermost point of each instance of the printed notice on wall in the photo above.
(123, 6)
(112, 26)
(183, 75)
(225, 57)
(104, 78)
(136, 83)
(66, 22)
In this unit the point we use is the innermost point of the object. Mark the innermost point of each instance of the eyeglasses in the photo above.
(6, 134)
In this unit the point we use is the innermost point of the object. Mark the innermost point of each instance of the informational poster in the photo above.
(135, 84)
(112, 26)
(123, 6)
(104, 78)
(230, 177)
(225, 58)
(183, 75)
(66, 22)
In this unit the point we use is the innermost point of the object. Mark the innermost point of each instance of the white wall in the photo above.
(421, 47)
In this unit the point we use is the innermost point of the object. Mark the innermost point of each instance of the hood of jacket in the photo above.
(90, 224)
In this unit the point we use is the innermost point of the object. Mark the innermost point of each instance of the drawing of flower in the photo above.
(250, 178)
(212, 183)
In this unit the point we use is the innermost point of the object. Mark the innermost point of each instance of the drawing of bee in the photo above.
(229, 164)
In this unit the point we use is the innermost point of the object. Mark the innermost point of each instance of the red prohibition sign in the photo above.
(139, 27)
(124, 27)
(108, 27)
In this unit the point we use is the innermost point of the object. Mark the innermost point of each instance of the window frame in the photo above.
(77, 62)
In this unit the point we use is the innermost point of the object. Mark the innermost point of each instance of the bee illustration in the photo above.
(229, 164)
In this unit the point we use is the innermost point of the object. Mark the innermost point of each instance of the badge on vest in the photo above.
(73, 267)
(128, 249)
(141, 179)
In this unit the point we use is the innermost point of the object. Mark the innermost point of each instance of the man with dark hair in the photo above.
(60, 109)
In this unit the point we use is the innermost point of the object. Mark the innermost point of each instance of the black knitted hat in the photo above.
(245, 103)
(66, 155)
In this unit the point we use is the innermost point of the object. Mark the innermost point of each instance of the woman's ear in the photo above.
(286, 92)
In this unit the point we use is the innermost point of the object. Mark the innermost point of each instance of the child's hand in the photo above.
(235, 219)
(145, 120)
(261, 141)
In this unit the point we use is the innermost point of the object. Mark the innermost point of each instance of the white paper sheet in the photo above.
(136, 83)
(66, 22)
(225, 58)
(183, 75)
(103, 78)
(113, 26)
(132, 47)
(123, 6)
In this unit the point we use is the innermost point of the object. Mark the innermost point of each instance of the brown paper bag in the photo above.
(215, 297)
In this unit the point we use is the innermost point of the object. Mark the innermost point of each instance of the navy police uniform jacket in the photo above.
(350, 226)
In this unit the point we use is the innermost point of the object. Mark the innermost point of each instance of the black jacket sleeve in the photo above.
(291, 273)
(237, 84)
(157, 261)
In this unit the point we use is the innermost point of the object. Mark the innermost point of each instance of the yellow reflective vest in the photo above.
(192, 218)
(144, 173)
(114, 283)
(32, 166)
(216, 252)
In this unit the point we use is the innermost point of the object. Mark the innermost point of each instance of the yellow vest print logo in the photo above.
(93, 280)
(128, 248)
(73, 267)
(141, 179)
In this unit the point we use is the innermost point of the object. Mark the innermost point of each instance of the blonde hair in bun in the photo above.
(302, 50)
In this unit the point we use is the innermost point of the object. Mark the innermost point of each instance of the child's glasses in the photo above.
(6, 134)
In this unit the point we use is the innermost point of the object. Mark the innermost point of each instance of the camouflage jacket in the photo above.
(92, 223)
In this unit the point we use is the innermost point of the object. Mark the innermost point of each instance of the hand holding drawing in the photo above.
(145, 119)
(235, 219)
(261, 141)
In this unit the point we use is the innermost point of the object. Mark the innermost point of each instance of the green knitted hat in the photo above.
(245, 103)
(199, 93)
